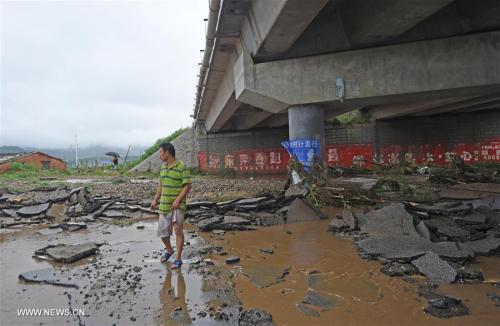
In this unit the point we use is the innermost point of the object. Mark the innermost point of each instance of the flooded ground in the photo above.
(104, 290)
(275, 282)
(300, 273)
(363, 295)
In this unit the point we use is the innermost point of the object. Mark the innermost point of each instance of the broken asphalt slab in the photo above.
(300, 211)
(210, 223)
(398, 269)
(483, 246)
(68, 253)
(436, 269)
(309, 312)
(446, 307)
(45, 276)
(408, 248)
(337, 224)
(389, 221)
(33, 210)
(321, 300)
(255, 317)
(251, 201)
(263, 275)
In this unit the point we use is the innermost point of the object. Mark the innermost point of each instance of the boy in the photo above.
(175, 183)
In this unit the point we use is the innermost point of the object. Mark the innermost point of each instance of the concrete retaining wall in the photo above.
(185, 151)
(434, 139)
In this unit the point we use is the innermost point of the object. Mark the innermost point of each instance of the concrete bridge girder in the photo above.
(271, 27)
(458, 66)
(474, 102)
(372, 22)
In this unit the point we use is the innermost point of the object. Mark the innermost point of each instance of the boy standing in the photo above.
(175, 183)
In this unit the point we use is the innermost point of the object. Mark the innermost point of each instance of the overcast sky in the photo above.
(113, 72)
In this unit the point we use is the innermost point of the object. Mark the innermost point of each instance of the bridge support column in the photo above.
(308, 122)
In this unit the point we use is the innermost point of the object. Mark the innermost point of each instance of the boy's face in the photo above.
(163, 155)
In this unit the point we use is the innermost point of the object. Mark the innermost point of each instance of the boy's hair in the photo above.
(167, 147)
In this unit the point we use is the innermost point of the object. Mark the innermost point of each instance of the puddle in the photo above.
(364, 295)
(323, 268)
(97, 292)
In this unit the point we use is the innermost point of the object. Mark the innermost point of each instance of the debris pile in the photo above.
(436, 240)
(459, 172)
(248, 213)
(66, 208)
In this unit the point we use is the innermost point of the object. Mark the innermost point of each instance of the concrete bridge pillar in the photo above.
(307, 121)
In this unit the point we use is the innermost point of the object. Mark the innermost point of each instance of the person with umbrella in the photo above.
(114, 158)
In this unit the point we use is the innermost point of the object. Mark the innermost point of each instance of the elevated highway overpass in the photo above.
(273, 63)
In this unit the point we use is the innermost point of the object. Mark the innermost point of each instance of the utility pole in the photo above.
(76, 150)
(126, 156)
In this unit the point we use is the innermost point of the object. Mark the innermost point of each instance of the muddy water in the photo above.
(363, 295)
(162, 290)
(273, 282)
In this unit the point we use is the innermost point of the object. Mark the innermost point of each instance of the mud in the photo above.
(123, 284)
(363, 295)
(299, 273)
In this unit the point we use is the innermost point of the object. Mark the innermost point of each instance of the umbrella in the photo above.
(113, 154)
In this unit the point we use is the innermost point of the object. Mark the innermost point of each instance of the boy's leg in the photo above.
(165, 221)
(179, 239)
(168, 246)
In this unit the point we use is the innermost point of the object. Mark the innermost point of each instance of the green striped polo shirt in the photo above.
(173, 180)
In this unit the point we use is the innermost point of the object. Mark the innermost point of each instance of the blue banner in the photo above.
(307, 151)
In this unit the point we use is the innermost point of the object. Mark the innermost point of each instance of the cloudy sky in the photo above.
(113, 72)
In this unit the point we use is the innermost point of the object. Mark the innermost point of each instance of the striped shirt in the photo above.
(173, 179)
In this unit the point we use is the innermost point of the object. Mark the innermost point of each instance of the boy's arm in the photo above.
(182, 195)
(154, 203)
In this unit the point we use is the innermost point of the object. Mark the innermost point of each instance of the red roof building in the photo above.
(37, 159)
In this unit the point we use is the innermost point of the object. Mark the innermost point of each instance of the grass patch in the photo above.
(152, 149)
(21, 171)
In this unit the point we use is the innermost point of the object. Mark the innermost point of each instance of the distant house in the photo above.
(37, 159)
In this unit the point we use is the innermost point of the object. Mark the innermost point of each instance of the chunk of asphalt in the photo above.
(309, 312)
(436, 269)
(398, 269)
(199, 204)
(255, 317)
(113, 213)
(300, 211)
(490, 202)
(349, 218)
(251, 201)
(445, 208)
(266, 250)
(68, 253)
(44, 276)
(33, 210)
(408, 248)
(264, 276)
(337, 224)
(481, 247)
(423, 231)
(474, 217)
(319, 299)
(232, 260)
(446, 307)
(391, 220)
(210, 223)
(453, 232)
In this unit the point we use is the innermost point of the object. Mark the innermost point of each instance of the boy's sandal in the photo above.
(177, 263)
(166, 256)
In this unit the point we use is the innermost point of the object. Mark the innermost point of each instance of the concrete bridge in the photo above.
(273, 63)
